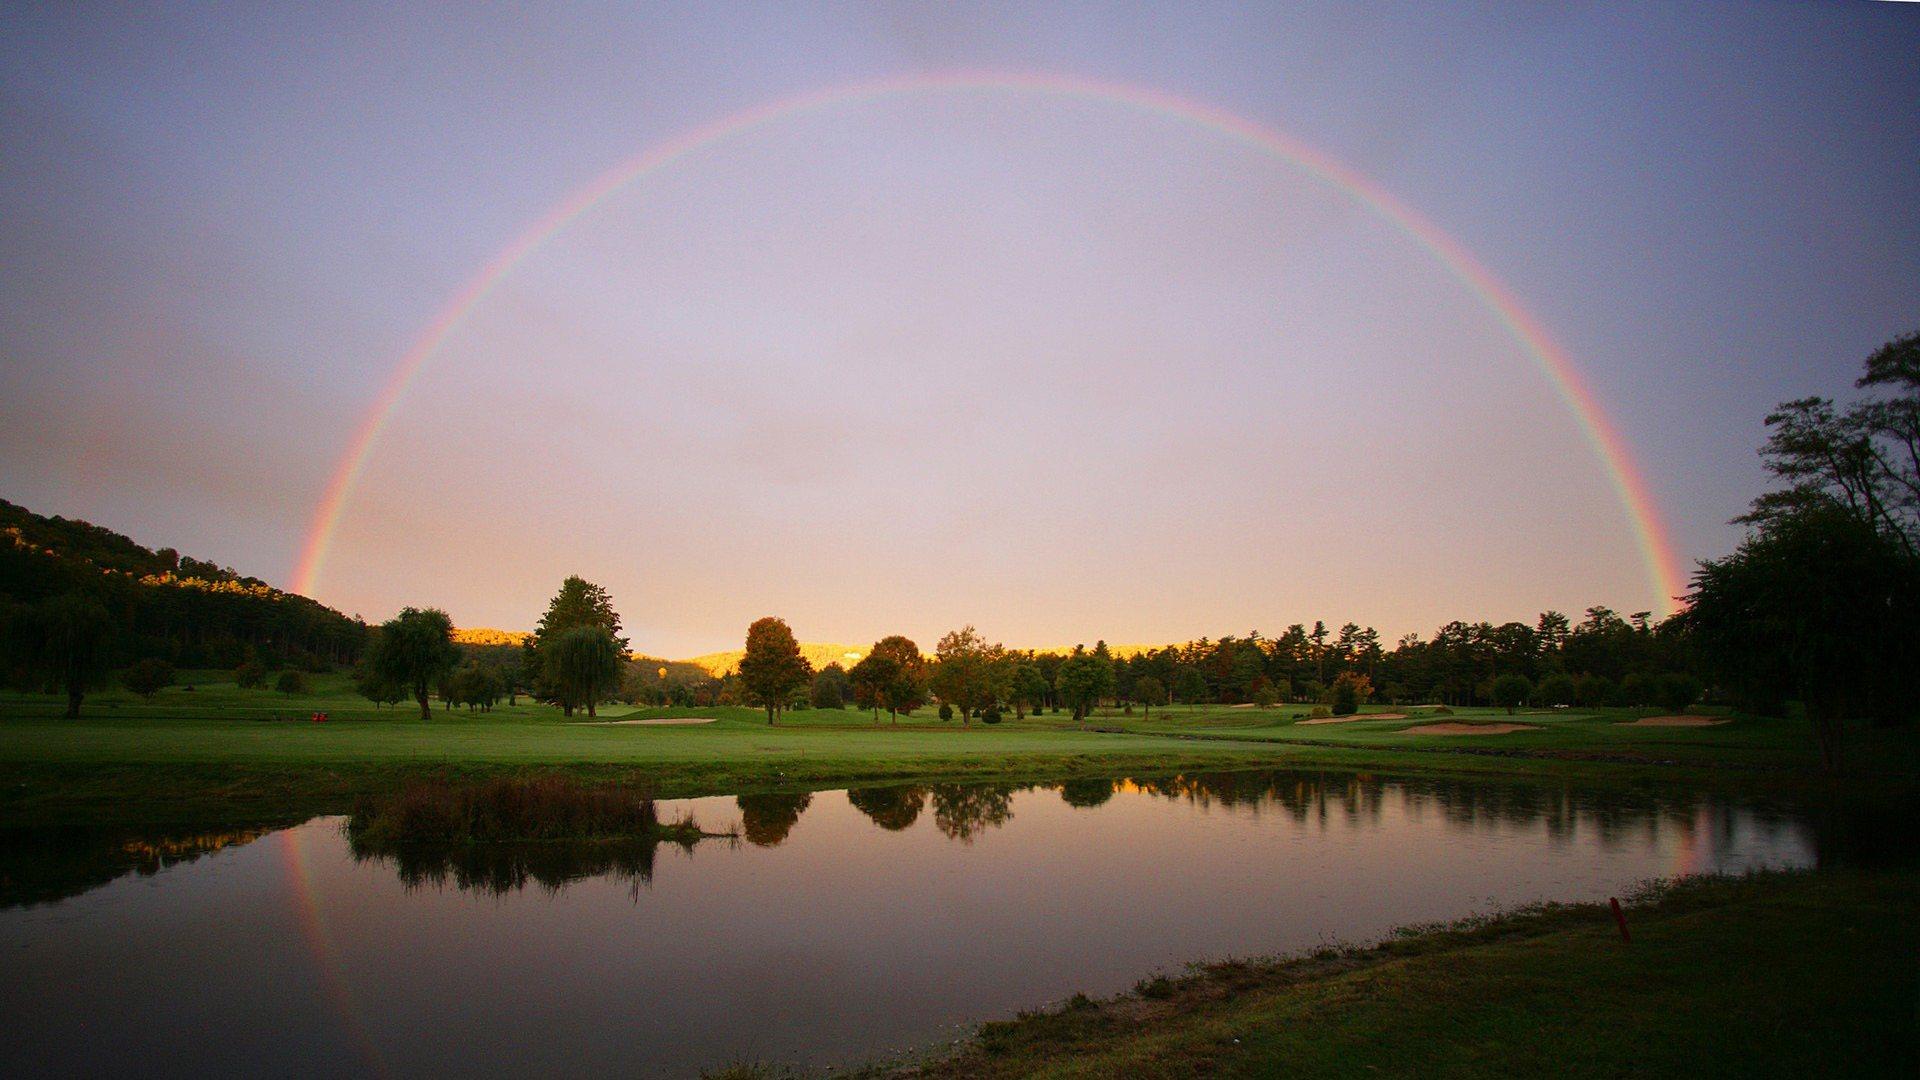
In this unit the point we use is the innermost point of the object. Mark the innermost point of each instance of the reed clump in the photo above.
(509, 810)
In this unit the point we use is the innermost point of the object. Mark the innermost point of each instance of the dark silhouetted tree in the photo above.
(1511, 690)
(831, 687)
(583, 667)
(147, 677)
(891, 808)
(72, 636)
(766, 820)
(414, 650)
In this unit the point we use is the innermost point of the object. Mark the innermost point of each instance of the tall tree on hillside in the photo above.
(414, 649)
(583, 665)
(772, 668)
(71, 637)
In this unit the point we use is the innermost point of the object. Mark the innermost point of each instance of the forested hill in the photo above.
(189, 611)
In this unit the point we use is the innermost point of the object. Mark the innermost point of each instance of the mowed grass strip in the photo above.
(217, 753)
(1779, 975)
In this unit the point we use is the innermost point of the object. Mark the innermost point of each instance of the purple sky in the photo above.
(1057, 368)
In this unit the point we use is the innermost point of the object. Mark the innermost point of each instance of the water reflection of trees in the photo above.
(765, 820)
(1088, 793)
(891, 808)
(501, 868)
(1702, 825)
(963, 811)
(41, 866)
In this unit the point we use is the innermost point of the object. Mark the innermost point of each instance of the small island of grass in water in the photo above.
(513, 810)
(498, 835)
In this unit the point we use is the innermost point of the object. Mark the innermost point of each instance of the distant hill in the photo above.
(193, 612)
(816, 653)
(486, 637)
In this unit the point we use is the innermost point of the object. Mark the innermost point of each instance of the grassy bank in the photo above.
(220, 753)
(1778, 975)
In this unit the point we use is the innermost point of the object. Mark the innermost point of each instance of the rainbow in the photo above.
(1655, 544)
(333, 981)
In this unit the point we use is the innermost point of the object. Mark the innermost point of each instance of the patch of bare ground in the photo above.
(1469, 729)
(1356, 716)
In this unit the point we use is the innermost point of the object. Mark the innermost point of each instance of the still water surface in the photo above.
(839, 926)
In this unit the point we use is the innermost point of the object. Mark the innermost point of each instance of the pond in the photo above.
(836, 927)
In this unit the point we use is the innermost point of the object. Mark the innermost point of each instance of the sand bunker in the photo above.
(1355, 716)
(657, 721)
(1675, 721)
(1470, 729)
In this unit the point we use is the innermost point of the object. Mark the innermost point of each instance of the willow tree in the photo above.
(414, 649)
(71, 636)
(578, 603)
(583, 667)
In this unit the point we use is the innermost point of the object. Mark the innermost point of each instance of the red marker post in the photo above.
(1620, 918)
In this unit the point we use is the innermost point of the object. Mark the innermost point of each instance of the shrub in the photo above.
(1349, 690)
(1638, 689)
(542, 808)
(1510, 690)
(1319, 712)
(147, 677)
(1557, 689)
(291, 682)
(1592, 690)
(250, 675)
(1264, 694)
(1678, 691)
(1159, 988)
(946, 711)
(990, 714)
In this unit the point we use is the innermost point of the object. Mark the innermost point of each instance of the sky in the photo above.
(1053, 365)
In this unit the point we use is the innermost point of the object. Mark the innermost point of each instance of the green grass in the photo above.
(1780, 975)
(218, 753)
